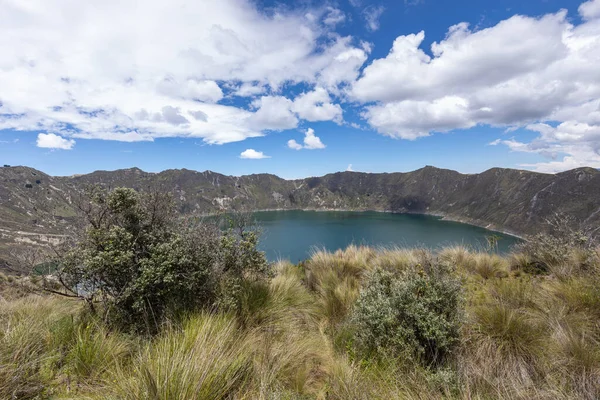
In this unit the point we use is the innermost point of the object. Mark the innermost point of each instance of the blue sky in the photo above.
(300, 89)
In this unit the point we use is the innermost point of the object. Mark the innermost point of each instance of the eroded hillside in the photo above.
(38, 208)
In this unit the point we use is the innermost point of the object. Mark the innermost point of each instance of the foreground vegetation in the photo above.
(184, 312)
(327, 329)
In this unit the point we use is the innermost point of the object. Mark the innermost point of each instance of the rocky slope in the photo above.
(38, 208)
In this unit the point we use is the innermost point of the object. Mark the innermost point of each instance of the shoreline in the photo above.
(441, 216)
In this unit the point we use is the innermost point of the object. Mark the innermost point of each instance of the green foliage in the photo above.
(33, 333)
(144, 266)
(94, 351)
(562, 250)
(207, 359)
(413, 314)
(522, 336)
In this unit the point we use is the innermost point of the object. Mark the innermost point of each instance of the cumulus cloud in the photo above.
(522, 72)
(199, 115)
(292, 144)
(274, 113)
(249, 89)
(280, 113)
(344, 67)
(590, 9)
(372, 14)
(191, 89)
(568, 145)
(316, 106)
(173, 116)
(129, 73)
(349, 169)
(311, 142)
(52, 141)
(253, 154)
(124, 72)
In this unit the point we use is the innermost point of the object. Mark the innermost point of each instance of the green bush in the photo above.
(562, 249)
(143, 265)
(414, 314)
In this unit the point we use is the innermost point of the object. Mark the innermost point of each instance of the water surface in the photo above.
(292, 235)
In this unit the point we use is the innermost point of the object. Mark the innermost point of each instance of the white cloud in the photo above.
(52, 141)
(590, 9)
(249, 89)
(411, 119)
(568, 145)
(316, 106)
(280, 113)
(311, 142)
(253, 154)
(344, 67)
(125, 72)
(334, 16)
(292, 144)
(208, 91)
(372, 14)
(521, 72)
(78, 71)
(274, 113)
(349, 169)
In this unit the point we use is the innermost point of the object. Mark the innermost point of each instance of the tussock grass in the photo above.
(513, 293)
(459, 256)
(31, 331)
(489, 266)
(205, 359)
(95, 351)
(527, 333)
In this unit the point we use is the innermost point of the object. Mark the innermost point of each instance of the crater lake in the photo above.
(293, 235)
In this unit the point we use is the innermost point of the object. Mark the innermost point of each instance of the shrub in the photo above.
(143, 265)
(415, 313)
(563, 249)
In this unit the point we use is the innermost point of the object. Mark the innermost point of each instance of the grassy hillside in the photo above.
(329, 329)
(36, 208)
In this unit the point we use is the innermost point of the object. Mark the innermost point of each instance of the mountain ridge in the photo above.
(36, 208)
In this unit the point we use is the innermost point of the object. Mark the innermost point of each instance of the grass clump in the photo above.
(32, 332)
(207, 358)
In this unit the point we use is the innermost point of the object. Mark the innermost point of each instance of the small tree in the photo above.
(143, 265)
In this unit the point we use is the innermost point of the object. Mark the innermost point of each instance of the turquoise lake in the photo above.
(292, 235)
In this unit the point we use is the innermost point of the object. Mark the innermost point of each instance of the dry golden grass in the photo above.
(525, 336)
